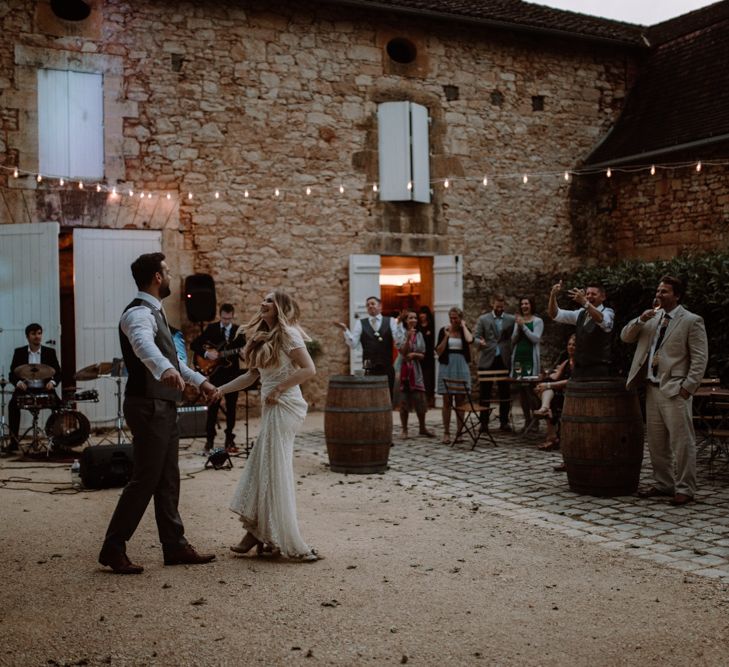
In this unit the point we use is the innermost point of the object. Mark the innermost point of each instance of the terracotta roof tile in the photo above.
(514, 15)
(681, 95)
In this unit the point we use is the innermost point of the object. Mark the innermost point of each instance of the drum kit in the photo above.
(66, 426)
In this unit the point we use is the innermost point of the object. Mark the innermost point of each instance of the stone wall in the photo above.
(639, 216)
(226, 96)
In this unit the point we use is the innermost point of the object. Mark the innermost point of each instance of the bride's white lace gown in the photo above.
(265, 498)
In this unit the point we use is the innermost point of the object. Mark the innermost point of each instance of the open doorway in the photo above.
(405, 282)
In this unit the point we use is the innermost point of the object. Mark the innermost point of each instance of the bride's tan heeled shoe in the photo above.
(246, 544)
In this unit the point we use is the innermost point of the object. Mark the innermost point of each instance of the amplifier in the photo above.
(106, 466)
(191, 421)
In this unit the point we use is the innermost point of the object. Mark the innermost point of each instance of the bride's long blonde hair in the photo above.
(265, 344)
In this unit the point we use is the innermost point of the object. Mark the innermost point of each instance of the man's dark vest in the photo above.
(141, 382)
(592, 344)
(377, 347)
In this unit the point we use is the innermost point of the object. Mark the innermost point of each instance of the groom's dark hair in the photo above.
(144, 268)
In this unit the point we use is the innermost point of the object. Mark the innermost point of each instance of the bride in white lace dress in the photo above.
(265, 498)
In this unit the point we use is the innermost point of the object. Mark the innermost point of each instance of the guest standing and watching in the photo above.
(493, 338)
(454, 355)
(671, 358)
(377, 334)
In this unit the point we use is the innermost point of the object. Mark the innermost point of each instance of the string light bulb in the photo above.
(149, 195)
(374, 187)
(446, 183)
(308, 190)
(60, 182)
(141, 195)
(39, 178)
(485, 181)
(341, 189)
(15, 172)
(698, 167)
(80, 185)
(189, 196)
(609, 172)
(98, 187)
(245, 194)
(113, 191)
(276, 192)
(131, 192)
(566, 175)
(217, 195)
(653, 170)
(410, 185)
(525, 179)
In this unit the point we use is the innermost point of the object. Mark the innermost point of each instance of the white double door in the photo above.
(364, 281)
(103, 286)
(28, 292)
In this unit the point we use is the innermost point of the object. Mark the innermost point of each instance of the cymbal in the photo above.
(30, 372)
(94, 371)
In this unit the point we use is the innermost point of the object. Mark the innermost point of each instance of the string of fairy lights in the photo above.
(329, 186)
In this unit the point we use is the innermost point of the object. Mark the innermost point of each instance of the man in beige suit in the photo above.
(671, 357)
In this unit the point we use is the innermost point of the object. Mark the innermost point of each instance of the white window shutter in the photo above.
(53, 137)
(86, 125)
(393, 123)
(420, 152)
(70, 124)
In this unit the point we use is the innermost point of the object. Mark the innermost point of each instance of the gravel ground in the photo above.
(406, 578)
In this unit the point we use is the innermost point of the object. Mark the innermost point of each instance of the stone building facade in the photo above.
(258, 101)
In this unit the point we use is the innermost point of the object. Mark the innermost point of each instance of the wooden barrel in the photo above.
(358, 423)
(602, 437)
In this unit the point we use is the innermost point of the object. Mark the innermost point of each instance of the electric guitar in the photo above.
(208, 366)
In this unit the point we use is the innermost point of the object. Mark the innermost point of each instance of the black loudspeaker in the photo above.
(200, 297)
(191, 421)
(106, 466)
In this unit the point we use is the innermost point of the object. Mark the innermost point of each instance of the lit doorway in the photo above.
(405, 282)
(440, 287)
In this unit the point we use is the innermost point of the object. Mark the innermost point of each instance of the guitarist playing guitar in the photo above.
(217, 352)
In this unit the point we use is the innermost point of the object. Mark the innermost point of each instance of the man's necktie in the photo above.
(659, 342)
(373, 323)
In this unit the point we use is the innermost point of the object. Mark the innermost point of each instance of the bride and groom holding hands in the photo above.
(265, 496)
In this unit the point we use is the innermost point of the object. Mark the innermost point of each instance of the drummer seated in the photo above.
(34, 369)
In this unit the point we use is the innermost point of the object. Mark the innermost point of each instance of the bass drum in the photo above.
(68, 428)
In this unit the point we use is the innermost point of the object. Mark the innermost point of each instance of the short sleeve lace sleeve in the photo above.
(296, 340)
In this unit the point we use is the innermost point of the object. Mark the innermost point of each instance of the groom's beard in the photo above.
(164, 291)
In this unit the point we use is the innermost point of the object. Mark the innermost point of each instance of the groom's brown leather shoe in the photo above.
(119, 562)
(186, 556)
(681, 499)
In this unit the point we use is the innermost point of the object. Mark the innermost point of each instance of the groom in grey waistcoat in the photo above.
(156, 380)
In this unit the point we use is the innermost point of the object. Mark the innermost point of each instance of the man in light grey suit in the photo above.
(671, 357)
(493, 339)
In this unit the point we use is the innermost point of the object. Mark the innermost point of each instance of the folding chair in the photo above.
(495, 377)
(467, 413)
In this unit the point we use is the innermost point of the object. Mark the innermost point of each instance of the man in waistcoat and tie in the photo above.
(154, 386)
(377, 334)
(671, 358)
(593, 328)
(593, 322)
